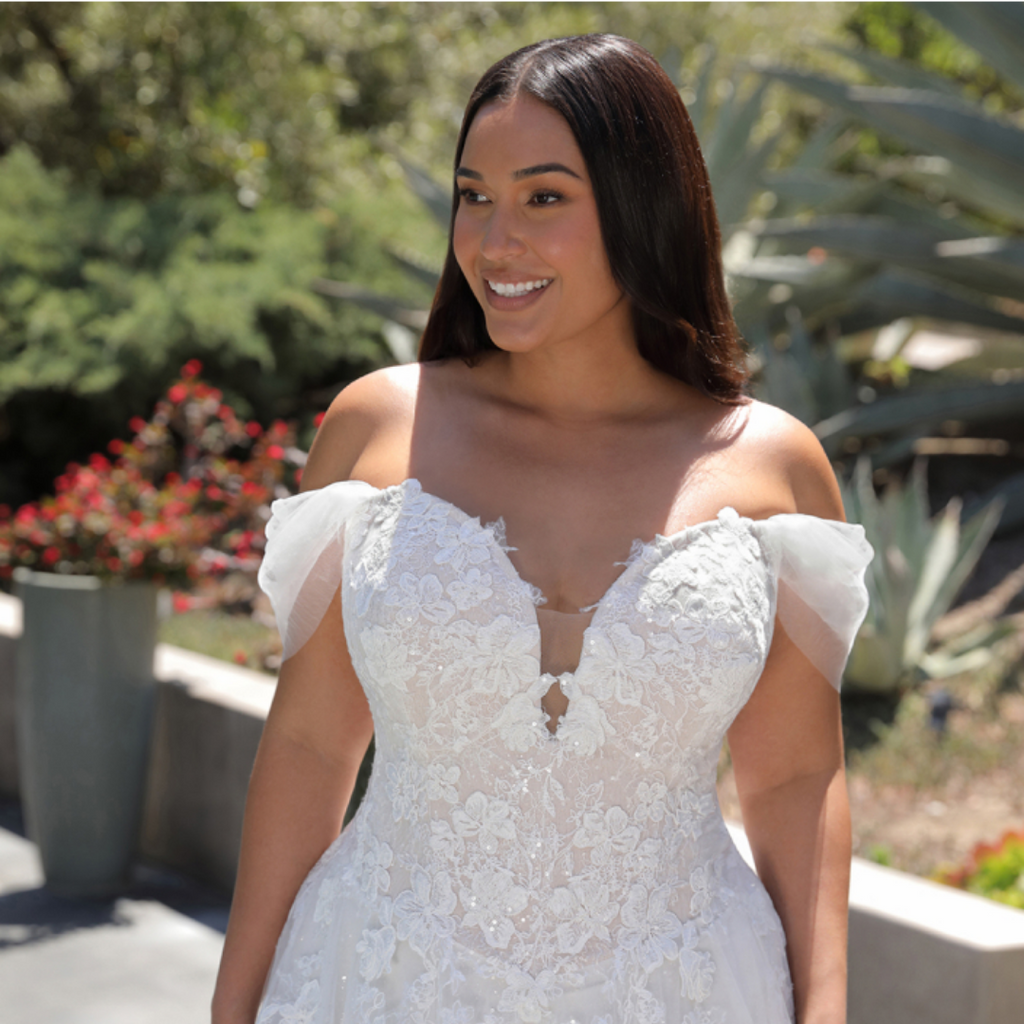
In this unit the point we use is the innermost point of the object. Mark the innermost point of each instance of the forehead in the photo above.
(518, 133)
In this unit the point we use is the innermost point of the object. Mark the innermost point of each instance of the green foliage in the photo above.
(910, 33)
(101, 300)
(992, 870)
(220, 634)
(269, 99)
(920, 564)
(181, 97)
(879, 853)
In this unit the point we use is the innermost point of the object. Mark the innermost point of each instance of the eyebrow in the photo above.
(525, 172)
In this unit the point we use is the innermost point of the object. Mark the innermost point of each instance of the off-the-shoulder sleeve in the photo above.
(301, 569)
(822, 599)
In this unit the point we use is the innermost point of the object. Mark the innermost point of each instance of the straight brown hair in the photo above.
(654, 203)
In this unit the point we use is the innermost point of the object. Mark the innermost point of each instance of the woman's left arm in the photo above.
(786, 747)
(787, 753)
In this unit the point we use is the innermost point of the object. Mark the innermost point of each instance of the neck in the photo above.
(582, 381)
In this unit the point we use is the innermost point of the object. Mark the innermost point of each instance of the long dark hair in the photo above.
(653, 199)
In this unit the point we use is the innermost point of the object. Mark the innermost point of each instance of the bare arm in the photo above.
(313, 742)
(314, 739)
(787, 750)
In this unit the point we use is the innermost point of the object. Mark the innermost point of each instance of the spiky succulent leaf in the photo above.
(922, 408)
(995, 30)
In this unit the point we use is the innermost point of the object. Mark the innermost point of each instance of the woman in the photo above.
(540, 840)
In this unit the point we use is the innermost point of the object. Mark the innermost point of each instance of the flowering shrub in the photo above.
(995, 870)
(187, 496)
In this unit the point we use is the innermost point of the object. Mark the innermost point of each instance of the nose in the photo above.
(502, 235)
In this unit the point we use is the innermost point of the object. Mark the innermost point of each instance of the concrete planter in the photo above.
(85, 694)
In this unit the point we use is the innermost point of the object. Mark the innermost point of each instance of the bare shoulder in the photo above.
(790, 452)
(366, 413)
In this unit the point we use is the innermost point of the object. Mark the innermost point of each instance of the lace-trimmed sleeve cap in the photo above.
(822, 599)
(301, 569)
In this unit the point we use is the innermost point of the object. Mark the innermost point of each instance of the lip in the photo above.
(513, 303)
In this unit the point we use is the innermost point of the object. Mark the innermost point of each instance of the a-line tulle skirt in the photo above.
(343, 959)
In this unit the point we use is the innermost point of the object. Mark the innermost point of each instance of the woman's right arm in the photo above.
(314, 739)
(313, 742)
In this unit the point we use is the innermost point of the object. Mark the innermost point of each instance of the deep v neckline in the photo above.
(638, 551)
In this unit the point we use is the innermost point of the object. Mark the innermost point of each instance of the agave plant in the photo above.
(920, 564)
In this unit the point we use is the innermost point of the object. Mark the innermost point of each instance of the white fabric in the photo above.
(822, 599)
(301, 570)
(498, 872)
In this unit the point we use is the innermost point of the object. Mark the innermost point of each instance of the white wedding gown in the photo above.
(496, 872)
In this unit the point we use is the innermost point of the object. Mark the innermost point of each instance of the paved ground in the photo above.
(149, 957)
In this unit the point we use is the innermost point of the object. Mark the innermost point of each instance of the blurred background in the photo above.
(225, 212)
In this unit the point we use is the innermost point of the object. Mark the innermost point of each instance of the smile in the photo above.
(520, 288)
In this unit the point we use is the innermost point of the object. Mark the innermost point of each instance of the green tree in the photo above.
(103, 299)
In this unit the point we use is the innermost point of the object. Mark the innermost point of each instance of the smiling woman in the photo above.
(615, 134)
(614, 559)
(527, 235)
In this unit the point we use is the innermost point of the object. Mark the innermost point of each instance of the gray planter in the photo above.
(84, 699)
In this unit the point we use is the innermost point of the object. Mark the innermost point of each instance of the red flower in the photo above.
(191, 369)
(318, 419)
(181, 602)
(134, 516)
(241, 658)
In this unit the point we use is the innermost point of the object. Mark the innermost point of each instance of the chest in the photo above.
(444, 634)
(622, 482)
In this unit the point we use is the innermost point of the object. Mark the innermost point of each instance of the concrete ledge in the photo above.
(208, 722)
(923, 953)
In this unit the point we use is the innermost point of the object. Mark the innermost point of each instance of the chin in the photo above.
(514, 341)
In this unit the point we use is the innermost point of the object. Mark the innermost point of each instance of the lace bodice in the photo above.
(497, 862)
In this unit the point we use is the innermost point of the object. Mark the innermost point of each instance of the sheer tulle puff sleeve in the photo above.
(301, 569)
(822, 599)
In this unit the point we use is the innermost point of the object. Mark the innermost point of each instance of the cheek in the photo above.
(579, 253)
(465, 244)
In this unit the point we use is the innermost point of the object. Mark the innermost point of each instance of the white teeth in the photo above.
(518, 289)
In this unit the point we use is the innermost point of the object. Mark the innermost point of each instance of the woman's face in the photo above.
(527, 234)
